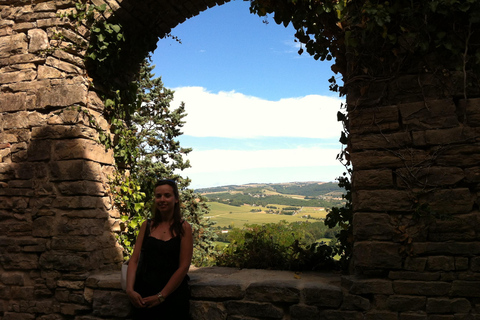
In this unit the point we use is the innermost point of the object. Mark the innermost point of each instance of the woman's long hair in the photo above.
(176, 228)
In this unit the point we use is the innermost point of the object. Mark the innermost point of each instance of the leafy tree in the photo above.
(153, 130)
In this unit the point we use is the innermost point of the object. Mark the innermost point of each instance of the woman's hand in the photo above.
(136, 299)
(151, 301)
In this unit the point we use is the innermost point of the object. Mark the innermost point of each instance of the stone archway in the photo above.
(58, 222)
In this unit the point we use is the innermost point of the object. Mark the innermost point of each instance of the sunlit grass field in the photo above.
(224, 215)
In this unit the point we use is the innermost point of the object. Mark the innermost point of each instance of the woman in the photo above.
(160, 289)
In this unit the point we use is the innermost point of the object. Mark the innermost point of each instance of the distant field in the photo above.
(224, 215)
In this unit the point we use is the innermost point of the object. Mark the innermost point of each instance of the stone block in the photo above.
(355, 302)
(446, 305)
(373, 179)
(17, 76)
(433, 114)
(13, 44)
(80, 227)
(61, 96)
(12, 102)
(19, 261)
(382, 200)
(381, 141)
(45, 72)
(62, 131)
(377, 255)
(71, 309)
(340, 314)
(64, 261)
(366, 120)
(253, 309)
(381, 315)
(462, 155)
(18, 316)
(87, 188)
(360, 286)
(421, 288)
(82, 149)
(400, 303)
(217, 288)
(472, 175)
(372, 226)
(322, 295)
(13, 278)
(75, 170)
(274, 291)
(467, 289)
(410, 275)
(207, 310)
(38, 40)
(304, 312)
(446, 248)
(111, 304)
(441, 263)
(461, 228)
(413, 316)
(449, 201)
(428, 177)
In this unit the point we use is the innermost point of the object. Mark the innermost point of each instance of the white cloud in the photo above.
(235, 115)
(235, 160)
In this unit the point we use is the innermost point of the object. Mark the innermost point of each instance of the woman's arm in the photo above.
(186, 252)
(135, 297)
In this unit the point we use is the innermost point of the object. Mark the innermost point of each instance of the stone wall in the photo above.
(414, 150)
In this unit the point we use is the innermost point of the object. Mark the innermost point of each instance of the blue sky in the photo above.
(257, 111)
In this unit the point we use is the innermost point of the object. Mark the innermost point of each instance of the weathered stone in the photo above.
(64, 261)
(355, 302)
(338, 314)
(82, 149)
(253, 309)
(431, 114)
(38, 40)
(13, 278)
(89, 188)
(428, 177)
(410, 275)
(322, 295)
(375, 254)
(17, 76)
(381, 315)
(44, 226)
(445, 305)
(16, 261)
(216, 288)
(63, 66)
(372, 226)
(381, 141)
(80, 227)
(75, 170)
(382, 200)
(451, 201)
(206, 310)
(61, 96)
(365, 120)
(12, 102)
(12, 45)
(273, 291)
(446, 248)
(360, 286)
(110, 304)
(421, 288)
(444, 136)
(45, 72)
(466, 289)
(406, 303)
(304, 312)
(368, 179)
(440, 263)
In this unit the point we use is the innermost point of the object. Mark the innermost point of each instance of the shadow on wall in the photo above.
(57, 221)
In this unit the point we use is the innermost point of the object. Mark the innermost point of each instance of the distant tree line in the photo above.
(239, 199)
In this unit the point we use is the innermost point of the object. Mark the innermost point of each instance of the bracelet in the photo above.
(160, 297)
